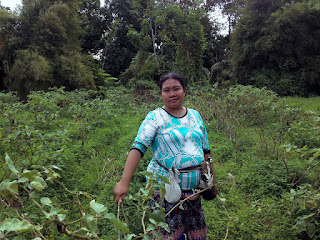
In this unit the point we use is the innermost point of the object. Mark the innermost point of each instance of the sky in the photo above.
(10, 3)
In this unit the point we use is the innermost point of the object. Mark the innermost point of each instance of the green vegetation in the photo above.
(62, 153)
(77, 79)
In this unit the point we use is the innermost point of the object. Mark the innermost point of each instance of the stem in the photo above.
(305, 173)
(124, 214)
(197, 192)
(142, 219)
(39, 233)
(118, 217)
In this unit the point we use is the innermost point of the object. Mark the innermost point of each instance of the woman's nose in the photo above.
(172, 94)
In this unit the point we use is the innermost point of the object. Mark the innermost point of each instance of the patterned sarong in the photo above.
(186, 223)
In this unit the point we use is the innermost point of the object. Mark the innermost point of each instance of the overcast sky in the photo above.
(10, 3)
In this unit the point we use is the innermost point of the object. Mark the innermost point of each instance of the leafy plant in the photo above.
(15, 221)
(305, 208)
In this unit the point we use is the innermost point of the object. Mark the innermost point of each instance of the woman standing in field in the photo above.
(178, 139)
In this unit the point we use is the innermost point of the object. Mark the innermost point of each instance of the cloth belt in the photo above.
(181, 170)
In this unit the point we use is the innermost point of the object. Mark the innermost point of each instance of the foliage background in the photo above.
(265, 191)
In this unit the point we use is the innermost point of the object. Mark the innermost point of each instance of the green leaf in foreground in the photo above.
(130, 236)
(90, 223)
(158, 216)
(8, 189)
(15, 225)
(46, 201)
(97, 207)
(117, 223)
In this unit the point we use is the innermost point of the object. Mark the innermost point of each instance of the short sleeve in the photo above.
(205, 142)
(146, 133)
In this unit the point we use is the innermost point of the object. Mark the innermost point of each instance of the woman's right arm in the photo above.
(122, 188)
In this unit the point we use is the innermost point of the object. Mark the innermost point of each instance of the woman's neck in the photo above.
(176, 112)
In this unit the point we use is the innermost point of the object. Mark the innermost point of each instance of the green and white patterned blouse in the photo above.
(175, 142)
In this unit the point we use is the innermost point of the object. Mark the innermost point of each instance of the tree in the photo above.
(174, 39)
(44, 35)
(276, 45)
(118, 51)
(9, 41)
(30, 71)
(93, 25)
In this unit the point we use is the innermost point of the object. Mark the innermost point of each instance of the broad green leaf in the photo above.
(90, 223)
(8, 189)
(61, 216)
(10, 164)
(158, 216)
(60, 213)
(23, 180)
(31, 175)
(130, 236)
(147, 237)
(165, 179)
(153, 221)
(46, 201)
(117, 223)
(39, 184)
(15, 225)
(98, 207)
(150, 227)
(165, 226)
(56, 211)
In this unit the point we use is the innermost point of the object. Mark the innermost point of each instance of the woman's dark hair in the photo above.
(175, 76)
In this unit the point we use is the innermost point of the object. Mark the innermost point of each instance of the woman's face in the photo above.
(172, 94)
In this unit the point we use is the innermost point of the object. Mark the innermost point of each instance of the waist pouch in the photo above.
(173, 191)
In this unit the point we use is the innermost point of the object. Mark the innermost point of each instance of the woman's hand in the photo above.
(122, 187)
(214, 179)
(120, 191)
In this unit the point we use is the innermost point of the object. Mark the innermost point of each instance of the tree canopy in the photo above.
(271, 44)
(276, 45)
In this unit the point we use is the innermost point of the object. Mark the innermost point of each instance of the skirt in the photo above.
(186, 222)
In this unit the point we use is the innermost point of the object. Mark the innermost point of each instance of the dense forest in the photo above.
(77, 79)
(272, 44)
